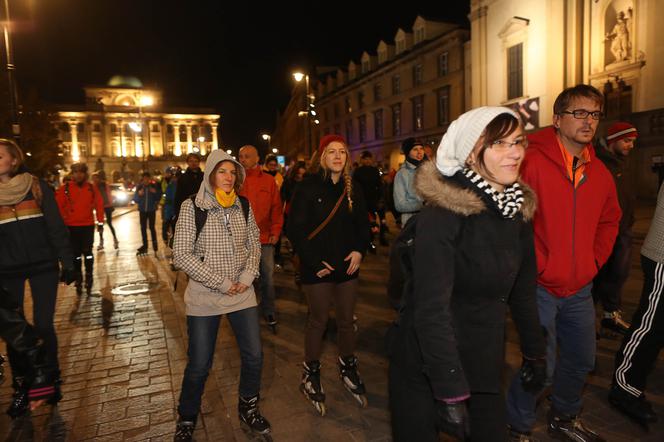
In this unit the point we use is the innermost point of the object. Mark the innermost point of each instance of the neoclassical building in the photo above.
(523, 53)
(124, 127)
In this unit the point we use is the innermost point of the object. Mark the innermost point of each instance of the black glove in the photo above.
(100, 227)
(68, 275)
(453, 419)
(533, 374)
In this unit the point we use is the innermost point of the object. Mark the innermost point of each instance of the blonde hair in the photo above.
(345, 173)
(15, 153)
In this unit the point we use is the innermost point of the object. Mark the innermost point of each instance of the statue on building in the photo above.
(619, 37)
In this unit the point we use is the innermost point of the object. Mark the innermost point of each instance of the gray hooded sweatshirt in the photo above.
(227, 250)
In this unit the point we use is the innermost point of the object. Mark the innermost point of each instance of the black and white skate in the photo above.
(351, 380)
(271, 322)
(142, 251)
(251, 420)
(311, 387)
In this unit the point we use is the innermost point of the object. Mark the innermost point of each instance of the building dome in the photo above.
(125, 81)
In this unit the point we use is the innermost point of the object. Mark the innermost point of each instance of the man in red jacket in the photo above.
(78, 200)
(575, 227)
(263, 194)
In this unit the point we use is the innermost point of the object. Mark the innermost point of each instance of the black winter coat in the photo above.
(470, 264)
(32, 237)
(617, 165)
(372, 186)
(188, 184)
(347, 231)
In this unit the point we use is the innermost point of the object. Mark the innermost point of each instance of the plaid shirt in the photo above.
(228, 250)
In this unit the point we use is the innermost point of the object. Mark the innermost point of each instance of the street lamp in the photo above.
(268, 138)
(308, 109)
(201, 140)
(10, 67)
(275, 150)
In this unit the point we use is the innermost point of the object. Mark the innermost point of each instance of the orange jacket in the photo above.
(76, 204)
(263, 194)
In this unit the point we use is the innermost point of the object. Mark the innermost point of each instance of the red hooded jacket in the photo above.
(263, 194)
(574, 228)
(76, 204)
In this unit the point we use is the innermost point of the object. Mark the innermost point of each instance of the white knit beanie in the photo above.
(461, 136)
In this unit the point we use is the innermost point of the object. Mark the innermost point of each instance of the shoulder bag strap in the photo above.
(329, 217)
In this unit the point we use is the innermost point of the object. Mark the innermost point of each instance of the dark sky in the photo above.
(236, 59)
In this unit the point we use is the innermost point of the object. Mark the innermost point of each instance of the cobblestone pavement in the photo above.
(123, 355)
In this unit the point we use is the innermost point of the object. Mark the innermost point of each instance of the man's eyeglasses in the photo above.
(502, 145)
(582, 114)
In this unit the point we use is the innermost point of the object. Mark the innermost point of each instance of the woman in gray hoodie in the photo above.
(217, 244)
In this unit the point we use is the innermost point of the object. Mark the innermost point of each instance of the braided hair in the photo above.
(319, 163)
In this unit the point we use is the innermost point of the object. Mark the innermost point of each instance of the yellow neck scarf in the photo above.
(225, 199)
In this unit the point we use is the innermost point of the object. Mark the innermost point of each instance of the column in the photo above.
(215, 144)
(202, 145)
(176, 137)
(75, 151)
(190, 147)
(123, 146)
(148, 128)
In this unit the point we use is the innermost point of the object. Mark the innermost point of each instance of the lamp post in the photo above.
(201, 140)
(10, 67)
(268, 138)
(144, 101)
(308, 109)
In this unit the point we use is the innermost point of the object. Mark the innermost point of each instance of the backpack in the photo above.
(402, 257)
(200, 215)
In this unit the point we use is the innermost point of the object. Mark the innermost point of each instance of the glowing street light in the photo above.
(266, 137)
(146, 101)
(136, 127)
(275, 150)
(308, 112)
(228, 151)
(298, 76)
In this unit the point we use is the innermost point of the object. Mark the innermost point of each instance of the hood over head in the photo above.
(205, 198)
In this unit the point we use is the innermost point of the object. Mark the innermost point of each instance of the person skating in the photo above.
(79, 201)
(221, 257)
(188, 182)
(147, 198)
(329, 230)
(99, 180)
(35, 247)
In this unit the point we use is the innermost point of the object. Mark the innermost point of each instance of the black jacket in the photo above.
(617, 165)
(470, 263)
(347, 231)
(32, 237)
(188, 184)
(369, 178)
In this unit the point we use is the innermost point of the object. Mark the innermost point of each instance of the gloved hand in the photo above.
(453, 419)
(533, 374)
(100, 227)
(68, 275)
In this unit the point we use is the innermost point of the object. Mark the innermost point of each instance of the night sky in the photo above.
(235, 59)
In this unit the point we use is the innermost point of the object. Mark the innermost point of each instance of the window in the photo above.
(417, 75)
(378, 91)
(360, 99)
(515, 71)
(378, 124)
(442, 64)
(418, 112)
(114, 128)
(336, 110)
(96, 127)
(443, 106)
(396, 85)
(362, 125)
(80, 127)
(349, 131)
(349, 109)
(396, 119)
(155, 128)
(337, 128)
(419, 35)
(401, 46)
(365, 66)
(382, 57)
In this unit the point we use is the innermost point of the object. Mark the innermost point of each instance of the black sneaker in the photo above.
(570, 428)
(614, 321)
(141, 251)
(637, 408)
(184, 431)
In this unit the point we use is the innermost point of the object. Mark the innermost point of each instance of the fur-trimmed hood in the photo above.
(439, 191)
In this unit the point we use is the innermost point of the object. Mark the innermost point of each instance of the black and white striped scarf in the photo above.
(508, 202)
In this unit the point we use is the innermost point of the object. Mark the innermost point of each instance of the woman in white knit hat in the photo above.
(473, 256)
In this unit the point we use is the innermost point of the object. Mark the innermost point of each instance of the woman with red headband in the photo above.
(329, 230)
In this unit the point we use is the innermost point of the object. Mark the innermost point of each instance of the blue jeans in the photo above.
(570, 327)
(202, 332)
(266, 280)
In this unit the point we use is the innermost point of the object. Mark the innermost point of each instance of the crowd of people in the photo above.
(496, 219)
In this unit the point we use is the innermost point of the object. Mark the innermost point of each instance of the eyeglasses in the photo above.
(503, 146)
(582, 114)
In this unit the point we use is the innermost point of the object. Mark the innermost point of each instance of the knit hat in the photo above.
(327, 139)
(408, 145)
(461, 136)
(619, 130)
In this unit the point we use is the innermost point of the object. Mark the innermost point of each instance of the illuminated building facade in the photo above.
(124, 127)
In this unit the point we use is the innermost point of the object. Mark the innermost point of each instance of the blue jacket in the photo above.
(406, 200)
(149, 201)
(169, 201)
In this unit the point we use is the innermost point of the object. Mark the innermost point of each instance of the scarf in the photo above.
(508, 202)
(224, 199)
(14, 191)
(414, 162)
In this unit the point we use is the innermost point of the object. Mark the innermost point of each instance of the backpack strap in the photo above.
(244, 202)
(200, 216)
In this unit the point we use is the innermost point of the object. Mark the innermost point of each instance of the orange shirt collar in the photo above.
(568, 159)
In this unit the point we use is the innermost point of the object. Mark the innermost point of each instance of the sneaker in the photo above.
(184, 431)
(116, 244)
(518, 436)
(637, 408)
(271, 320)
(100, 247)
(615, 322)
(570, 428)
(141, 250)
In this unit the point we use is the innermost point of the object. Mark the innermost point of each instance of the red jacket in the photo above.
(263, 194)
(76, 204)
(574, 228)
